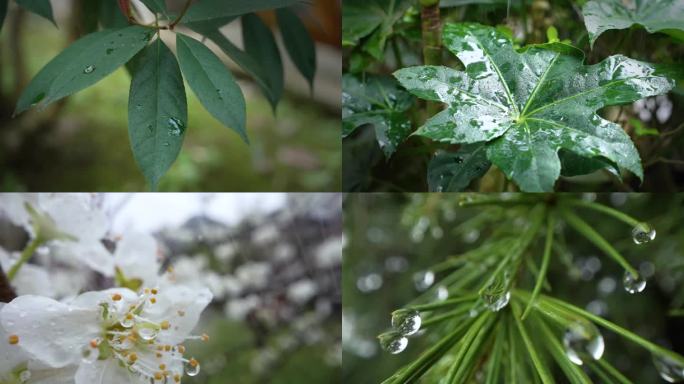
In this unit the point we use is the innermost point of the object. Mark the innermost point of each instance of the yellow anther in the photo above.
(176, 378)
(167, 348)
(181, 348)
(116, 297)
(193, 362)
(132, 357)
(165, 325)
(159, 355)
(169, 269)
(158, 375)
(153, 300)
(181, 313)
(204, 337)
(154, 291)
(162, 367)
(94, 343)
(14, 339)
(147, 291)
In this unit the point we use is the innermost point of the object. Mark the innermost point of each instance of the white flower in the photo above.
(70, 224)
(302, 291)
(254, 274)
(30, 279)
(114, 336)
(137, 257)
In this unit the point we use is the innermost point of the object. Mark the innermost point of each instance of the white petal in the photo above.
(32, 280)
(172, 301)
(94, 298)
(10, 355)
(105, 372)
(40, 375)
(75, 214)
(12, 205)
(48, 330)
(93, 254)
(136, 256)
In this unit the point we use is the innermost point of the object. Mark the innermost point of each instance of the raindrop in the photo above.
(495, 295)
(643, 233)
(89, 354)
(406, 321)
(442, 293)
(24, 375)
(583, 339)
(192, 367)
(147, 334)
(670, 370)
(166, 144)
(393, 342)
(127, 322)
(633, 284)
(89, 69)
(176, 127)
(423, 280)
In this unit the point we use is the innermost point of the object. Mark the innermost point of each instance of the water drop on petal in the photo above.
(147, 334)
(643, 233)
(24, 375)
(192, 368)
(406, 321)
(633, 284)
(581, 340)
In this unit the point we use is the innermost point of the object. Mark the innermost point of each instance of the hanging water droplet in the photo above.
(442, 293)
(633, 284)
(89, 69)
(495, 296)
(406, 321)
(643, 233)
(670, 370)
(147, 334)
(583, 339)
(176, 127)
(393, 342)
(192, 368)
(24, 375)
(423, 280)
(89, 354)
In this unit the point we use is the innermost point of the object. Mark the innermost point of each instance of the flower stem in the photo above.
(25, 256)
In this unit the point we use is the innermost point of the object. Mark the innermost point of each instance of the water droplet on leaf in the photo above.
(581, 340)
(643, 233)
(406, 321)
(495, 296)
(670, 370)
(89, 69)
(393, 342)
(176, 127)
(633, 284)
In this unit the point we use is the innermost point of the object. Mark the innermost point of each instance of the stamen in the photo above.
(13, 339)
(116, 297)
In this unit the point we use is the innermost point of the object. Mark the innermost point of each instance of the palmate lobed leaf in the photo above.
(654, 15)
(378, 101)
(452, 172)
(528, 105)
(372, 18)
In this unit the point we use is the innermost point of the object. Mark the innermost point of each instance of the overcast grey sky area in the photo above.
(150, 212)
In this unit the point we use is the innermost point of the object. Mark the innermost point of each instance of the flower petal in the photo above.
(105, 372)
(181, 306)
(48, 330)
(10, 355)
(136, 256)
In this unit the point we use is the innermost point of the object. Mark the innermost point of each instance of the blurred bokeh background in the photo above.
(272, 261)
(391, 238)
(81, 144)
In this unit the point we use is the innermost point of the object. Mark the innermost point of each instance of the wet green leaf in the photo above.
(157, 6)
(82, 64)
(111, 16)
(39, 7)
(215, 9)
(454, 171)
(213, 83)
(527, 105)
(372, 18)
(654, 15)
(378, 101)
(260, 44)
(157, 111)
(299, 44)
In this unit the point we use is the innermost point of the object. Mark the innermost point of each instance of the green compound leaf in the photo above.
(157, 6)
(655, 15)
(453, 172)
(215, 9)
(361, 18)
(41, 8)
(299, 44)
(157, 111)
(83, 64)
(378, 101)
(261, 46)
(213, 83)
(527, 105)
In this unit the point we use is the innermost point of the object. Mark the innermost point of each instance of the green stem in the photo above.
(627, 219)
(542, 371)
(25, 256)
(587, 231)
(442, 304)
(182, 14)
(545, 263)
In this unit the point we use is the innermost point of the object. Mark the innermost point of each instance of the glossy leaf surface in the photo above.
(215, 9)
(83, 64)
(261, 46)
(378, 101)
(213, 83)
(453, 172)
(157, 111)
(372, 18)
(39, 7)
(654, 15)
(528, 105)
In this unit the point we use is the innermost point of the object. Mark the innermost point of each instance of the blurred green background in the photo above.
(82, 144)
(390, 237)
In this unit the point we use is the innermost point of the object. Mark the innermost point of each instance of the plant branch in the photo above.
(545, 264)
(182, 14)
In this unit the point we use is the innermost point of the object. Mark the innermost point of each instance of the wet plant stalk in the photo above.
(432, 43)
